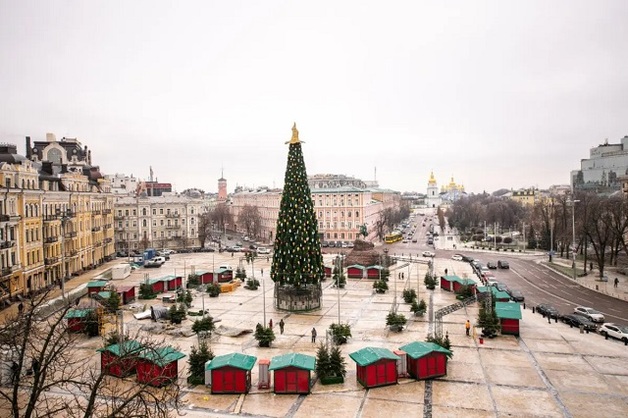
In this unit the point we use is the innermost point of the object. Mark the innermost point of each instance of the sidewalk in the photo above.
(592, 280)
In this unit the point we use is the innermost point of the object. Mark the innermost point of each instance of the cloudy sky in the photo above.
(495, 93)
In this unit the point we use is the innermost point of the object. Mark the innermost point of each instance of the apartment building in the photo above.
(55, 216)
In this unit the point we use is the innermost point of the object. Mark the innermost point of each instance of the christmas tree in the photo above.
(297, 259)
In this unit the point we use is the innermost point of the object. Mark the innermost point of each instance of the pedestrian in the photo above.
(590, 265)
(281, 325)
(314, 335)
(403, 276)
(20, 307)
(616, 282)
(270, 323)
(262, 272)
(231, 254)
(445, 272)
(467, 326)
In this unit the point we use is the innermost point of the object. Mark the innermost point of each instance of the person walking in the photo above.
(467, 326)
(314, 335)
(615, 282)
(270, 323)
(281, 325)
(262, 272)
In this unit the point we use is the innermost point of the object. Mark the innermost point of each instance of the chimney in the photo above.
(28, 147)
(51, 137)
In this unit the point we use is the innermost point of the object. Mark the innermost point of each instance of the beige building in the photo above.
(526, 197)
(56, 218)
(169, 221)
(340, 211)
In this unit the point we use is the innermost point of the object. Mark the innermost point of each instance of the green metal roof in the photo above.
(467, 282)
(238, 360)
(356, 266)
(376, 266)
(124, 348)
(508, 310)
(200, 272)
(97, 283)
(302, 361)
(496, 293)
(104, 294)
(369, 355)
(77, 313)
(418, 349)
(161, 356)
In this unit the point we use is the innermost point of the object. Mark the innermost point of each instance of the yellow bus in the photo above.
(394, 236)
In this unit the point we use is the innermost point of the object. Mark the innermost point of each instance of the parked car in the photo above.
(502, 287)
(491, 281)
(545, 310)
(616, 331)
(516, 295)
(428, 254)
(503, 264)
(324, 244)
(456, 257)
(491, 265)
(405, 241)
(592, 314)
(263, 250)
(350, 244)
(578, 321)
(331, 244)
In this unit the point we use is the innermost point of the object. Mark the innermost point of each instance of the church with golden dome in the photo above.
(448, 193)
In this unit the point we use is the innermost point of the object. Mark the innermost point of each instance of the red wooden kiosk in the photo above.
(291, 373)
(509, 314)
(231, 373)
(120, 359)
(328, 271)
(77, 319)
(157, 285)
(355, 271)
(375, 366)
(426, 359)
(158, 367)
(455, 283)
(127, 293)
(374, 272)
(204, 276)
(172, 282)
(96, 286)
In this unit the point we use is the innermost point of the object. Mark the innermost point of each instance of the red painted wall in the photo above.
(291, 380)
(355, 273)
(154, 375)
(230, 380)
(427, 367)
(383, 372)
(510, 326)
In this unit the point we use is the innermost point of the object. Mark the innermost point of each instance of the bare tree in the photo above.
(53, 371)
(205, 224)
(251, 219)
(221, 216)
(598, 227)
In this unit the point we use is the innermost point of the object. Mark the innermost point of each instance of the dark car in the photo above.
(577, 321)
(491, 265)
(331, 244)
(516, 295)
(503, 264)
(466, 258)
(502, 287)
(324, 244)
(545, 310)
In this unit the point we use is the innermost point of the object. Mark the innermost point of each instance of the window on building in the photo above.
(134, 212)
(126, 212)
(357, 213)
(154, 211)
(144, 212)
(320, 224)
(349, 214)
(120, 213)
(335, 235)
(167, 211)
(162, 222)
(161, 211)
(342, 235)
(144, 223)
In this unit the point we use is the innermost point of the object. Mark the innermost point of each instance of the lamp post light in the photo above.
(64, 216)
(339, 266)
(573, 243)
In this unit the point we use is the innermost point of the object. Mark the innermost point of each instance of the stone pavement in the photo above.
(551, 371)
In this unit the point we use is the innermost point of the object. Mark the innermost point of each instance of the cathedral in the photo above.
(448, 193)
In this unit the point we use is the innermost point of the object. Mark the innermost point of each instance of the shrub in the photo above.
(213, 289)
(264, 335)
(204, 325)
(184, 297)
(418, 308)
(194, 280)
(409, 295)
(380, 286)
(240, 273)
(507, 240)
(430, 282)
(465, 291)
(177, 313)
(385, 273)
(340, 333)
(498, 239)
(196, 360)
(252, 284)
(395, 321)
(113, 303)
(146, 291)
(443, 342)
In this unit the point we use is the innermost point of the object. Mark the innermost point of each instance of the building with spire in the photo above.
(432, 200)
(222, 187)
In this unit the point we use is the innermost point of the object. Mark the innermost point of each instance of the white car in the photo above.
(428, 254)
(263, 250)
(592, 314)
(614, 330)
(456, 257)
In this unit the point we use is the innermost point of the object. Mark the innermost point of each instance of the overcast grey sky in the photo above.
(496, 93)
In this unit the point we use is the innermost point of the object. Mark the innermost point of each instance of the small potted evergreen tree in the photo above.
(409, 295)
(264, 335)
(197, 359)
(330, 365)
(213, 289)
(418, 308)
(395, 321)
(340, 333)
(380, 286)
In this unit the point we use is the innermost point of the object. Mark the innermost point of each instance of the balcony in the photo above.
(6, 244)
(108, 240)
(118, 218)
(106, 211)
(172, 215)
(50, 218)
(107, 226)
(71, 253)
(9, 218)
(6, 271)
(50, 261)
(119, 228)
(70, 234)
(173, 226)
(97, 244)
(96, 229)
(96, 212)
(50, 240)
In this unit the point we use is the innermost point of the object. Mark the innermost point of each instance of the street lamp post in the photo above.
(573, 243)
(339, 266)
(64, 217)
